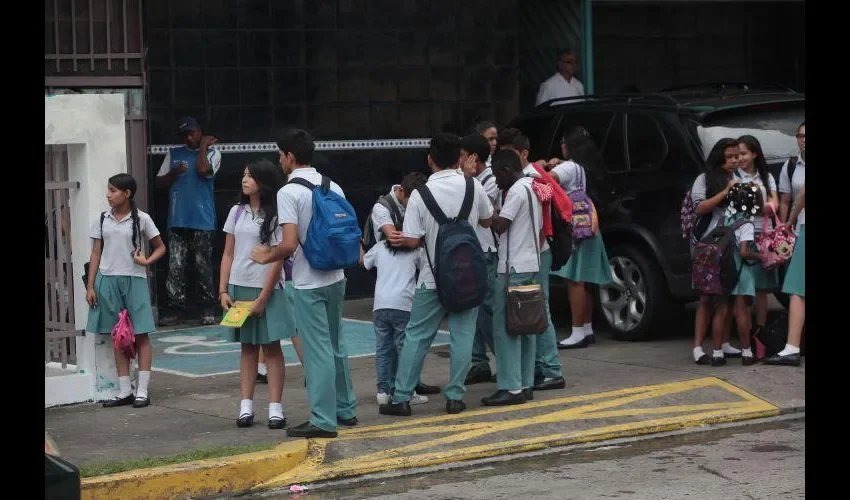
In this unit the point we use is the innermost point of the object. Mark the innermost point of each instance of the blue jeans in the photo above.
(389, 338)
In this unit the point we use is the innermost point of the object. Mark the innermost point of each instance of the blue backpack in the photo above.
(333, 237)
(460, 270)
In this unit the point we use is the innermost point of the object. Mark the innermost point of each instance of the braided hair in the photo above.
(125, 182)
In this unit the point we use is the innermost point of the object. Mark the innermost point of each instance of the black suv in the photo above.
(654, 146)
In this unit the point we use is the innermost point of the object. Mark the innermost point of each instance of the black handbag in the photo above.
(525, 305)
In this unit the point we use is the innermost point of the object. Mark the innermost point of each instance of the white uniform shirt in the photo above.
(524, 257)
(295, 206)
(485, 234)
(246, 236)
(381, 216)
(557, 86)
(794, 186)
(117, 256)
(698, 195)
(448, 188)
(396, 276)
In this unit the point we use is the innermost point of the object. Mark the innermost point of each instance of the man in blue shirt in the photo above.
(189, 171)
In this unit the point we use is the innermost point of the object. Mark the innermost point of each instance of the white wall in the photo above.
(92, 125)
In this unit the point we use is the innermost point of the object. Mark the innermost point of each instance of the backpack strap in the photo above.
(239, 212)
(792, 164)
(486, 178)
(326, 184)
(468, 197)
(387, 202)
(304, 182)
(431, 205)
(102, 216)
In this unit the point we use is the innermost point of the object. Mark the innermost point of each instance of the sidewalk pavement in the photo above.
(614, 389)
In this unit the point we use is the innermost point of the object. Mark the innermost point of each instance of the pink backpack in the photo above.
(123, 338)
(777, 243)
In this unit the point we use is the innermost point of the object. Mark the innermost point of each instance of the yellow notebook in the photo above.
(237, 314)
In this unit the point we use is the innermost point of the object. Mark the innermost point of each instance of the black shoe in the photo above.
(348, 422)
(141, 402)
(263, 379)
(503, 398)
(397, 409)
(475, 376)
(170, 320)
(584, 343)
(549, 385)
(748, 360)
(528, 394)
(776, 359)
(308, 430)
(591, 339)
(538, 379)
(704, 360)
(112, 403)
(426, 389)
(715, 361)
(277, 423)
(454, 406)
(245, 420)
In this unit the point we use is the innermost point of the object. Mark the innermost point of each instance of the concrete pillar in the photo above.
(92, 127)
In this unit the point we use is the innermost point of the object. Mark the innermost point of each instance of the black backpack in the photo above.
(459, 268)
(561, 242)
(369, 228)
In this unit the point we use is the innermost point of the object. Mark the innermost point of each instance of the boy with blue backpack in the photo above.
(443, 215)
(320, 229)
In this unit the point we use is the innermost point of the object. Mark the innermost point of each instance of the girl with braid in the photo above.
(121, 282)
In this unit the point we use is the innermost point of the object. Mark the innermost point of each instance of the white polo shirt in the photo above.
(396, 276)
(557, 86)
(448, 188)
(117, 256)
(295, 206)
(793, 186)
(246, 236)
(381, 216)
(485, 234)
(524, 258)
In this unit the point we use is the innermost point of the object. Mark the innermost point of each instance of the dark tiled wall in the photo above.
(341, 68)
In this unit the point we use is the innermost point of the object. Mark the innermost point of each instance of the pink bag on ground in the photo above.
(123, 337)
(777, 243)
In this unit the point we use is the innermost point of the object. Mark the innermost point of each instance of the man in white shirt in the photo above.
(549, 374)
(789, 188)
(473, 149)
(563, 83)
(318, 297)
(448, 188)
(518, 225)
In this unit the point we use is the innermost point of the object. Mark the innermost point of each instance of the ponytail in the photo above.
(137, 233)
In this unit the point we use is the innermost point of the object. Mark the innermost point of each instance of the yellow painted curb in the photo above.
(199, 478)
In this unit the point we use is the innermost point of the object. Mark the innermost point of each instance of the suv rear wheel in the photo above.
(634, 303)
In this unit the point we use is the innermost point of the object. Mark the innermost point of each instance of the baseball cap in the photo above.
(187, 124)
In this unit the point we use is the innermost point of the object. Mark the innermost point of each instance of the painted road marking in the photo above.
(445, 437)
(207, 351)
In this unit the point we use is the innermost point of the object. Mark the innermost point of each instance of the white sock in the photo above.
(144, 379)
(261, 369)
(588, 329)
(576, 336)
(717, 353)
(516, 392)
(247, 406)
(789, 349)
(728, 349)
(698, 353)
(124, 386)
(747, 353)
(275, 410)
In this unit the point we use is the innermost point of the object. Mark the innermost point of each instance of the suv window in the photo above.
(646, 142)
(596, 123)
(615, 146)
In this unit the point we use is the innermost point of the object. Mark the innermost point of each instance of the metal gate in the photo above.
(60, 331)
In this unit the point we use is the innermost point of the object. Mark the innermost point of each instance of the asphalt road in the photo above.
(754, 462)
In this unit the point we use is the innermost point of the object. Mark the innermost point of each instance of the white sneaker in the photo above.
(418, 399)
(383, 398)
